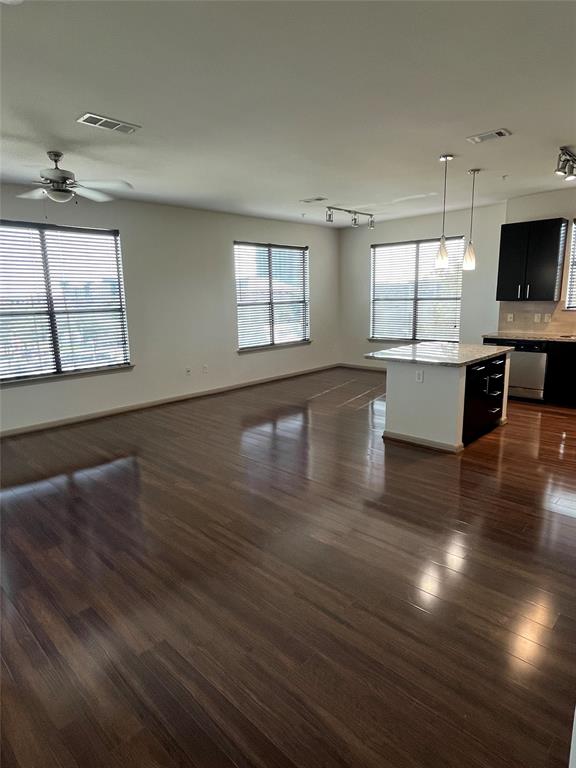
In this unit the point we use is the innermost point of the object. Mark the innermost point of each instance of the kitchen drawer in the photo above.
(497, 364)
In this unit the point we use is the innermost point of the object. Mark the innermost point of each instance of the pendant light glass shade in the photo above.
(469, 262)
(442, 260)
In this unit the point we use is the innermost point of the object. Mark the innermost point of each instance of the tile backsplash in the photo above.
(562, 321)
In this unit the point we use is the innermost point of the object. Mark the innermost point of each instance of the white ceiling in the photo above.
(250, 107)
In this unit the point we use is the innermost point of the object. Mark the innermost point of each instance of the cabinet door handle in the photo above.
(479, 368)
(519, 290)
(494, 394)
(498, 362)
(528, 291)
(497, 375)
(493, 410)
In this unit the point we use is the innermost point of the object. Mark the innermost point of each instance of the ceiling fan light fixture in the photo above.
(59, 195)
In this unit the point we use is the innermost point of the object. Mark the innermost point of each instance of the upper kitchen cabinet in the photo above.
(531, 260)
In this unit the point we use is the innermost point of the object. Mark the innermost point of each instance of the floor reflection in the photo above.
(527, 643)
(281, 437)
(84, 513)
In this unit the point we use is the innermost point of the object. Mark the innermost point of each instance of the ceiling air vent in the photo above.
(318, 199)
(108, 123)
(499, 133)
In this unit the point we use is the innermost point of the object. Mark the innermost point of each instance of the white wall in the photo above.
(545, 205)
(479, 305)
(180, 296)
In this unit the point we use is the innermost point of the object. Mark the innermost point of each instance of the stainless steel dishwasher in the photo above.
(527, 367)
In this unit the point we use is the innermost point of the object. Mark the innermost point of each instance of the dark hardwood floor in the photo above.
(256, 579)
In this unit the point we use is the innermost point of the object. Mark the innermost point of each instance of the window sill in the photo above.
(21, 380)
(287, 345)
(388, 341)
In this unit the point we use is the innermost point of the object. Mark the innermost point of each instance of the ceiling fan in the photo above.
(61, 186)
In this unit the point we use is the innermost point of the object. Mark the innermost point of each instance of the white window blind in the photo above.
(272, 294)
(571, 294)
(410, 297)
(62, 305)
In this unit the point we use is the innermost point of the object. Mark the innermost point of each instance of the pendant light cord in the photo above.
(444, 205)
(472, 204)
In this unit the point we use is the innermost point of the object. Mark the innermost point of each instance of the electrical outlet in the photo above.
(188, 371)
(547, 317)
(537, 317)
(419, 376)
(204, 368)
(510, 317)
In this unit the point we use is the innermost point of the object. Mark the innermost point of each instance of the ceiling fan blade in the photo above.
(111, 184)
(92, 194)
(34, 194)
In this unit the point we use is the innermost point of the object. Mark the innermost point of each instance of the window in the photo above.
(62, 303)
(272, 295)
(410, 298)
(571, 293)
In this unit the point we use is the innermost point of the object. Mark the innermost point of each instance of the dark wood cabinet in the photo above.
(512, 263)
(531, 260)
(559, 384)
(484, 397)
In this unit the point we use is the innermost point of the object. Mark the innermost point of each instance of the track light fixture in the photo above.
(354, 214)
(566, 164)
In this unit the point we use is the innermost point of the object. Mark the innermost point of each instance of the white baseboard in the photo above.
(446, 447)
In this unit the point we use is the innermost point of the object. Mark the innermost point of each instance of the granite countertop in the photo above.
(439, 353)
(529, 336)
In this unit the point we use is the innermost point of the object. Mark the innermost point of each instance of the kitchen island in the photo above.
(444, 395)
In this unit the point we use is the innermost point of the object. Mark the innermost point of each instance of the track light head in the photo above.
(561, 165)
(446, 158)
(329, 215)
(566, 164)
(371, 222)
(355, 219)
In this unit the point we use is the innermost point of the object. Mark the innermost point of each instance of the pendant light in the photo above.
(469, 262)
(442, 259)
